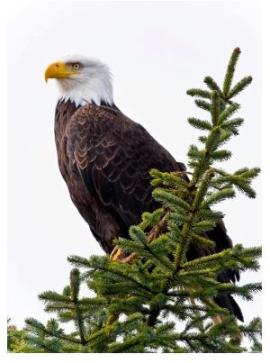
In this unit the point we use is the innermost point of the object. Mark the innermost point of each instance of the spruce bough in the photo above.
(161, 302)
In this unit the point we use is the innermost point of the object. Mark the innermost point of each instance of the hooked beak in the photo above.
(58, 70)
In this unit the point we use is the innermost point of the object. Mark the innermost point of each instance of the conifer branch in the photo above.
(230, 71)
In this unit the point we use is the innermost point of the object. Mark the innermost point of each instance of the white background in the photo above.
(156, 52)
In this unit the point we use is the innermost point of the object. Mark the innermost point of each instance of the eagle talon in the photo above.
(115, 249)
(117, 255)
(130, 258)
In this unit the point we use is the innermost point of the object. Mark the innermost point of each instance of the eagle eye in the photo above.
(76, 66)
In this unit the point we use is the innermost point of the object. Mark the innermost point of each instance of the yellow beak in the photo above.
(58, 70)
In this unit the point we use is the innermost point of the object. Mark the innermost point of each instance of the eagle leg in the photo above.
(118, 255)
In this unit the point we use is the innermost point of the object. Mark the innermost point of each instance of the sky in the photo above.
(156, 51)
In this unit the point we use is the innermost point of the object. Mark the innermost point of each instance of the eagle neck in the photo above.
(94, 90)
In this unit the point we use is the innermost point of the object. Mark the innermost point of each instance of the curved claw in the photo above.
(117, 255)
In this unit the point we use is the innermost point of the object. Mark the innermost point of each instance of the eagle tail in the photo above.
(227, 301)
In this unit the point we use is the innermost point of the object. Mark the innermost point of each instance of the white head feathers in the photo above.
(91, 84)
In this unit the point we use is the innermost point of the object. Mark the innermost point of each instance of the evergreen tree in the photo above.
(158, 301)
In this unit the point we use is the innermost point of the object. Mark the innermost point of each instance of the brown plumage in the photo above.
(105, 159)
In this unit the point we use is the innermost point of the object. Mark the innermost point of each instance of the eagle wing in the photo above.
(114, 155)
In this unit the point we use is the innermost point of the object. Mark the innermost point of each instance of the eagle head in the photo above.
(82, 80)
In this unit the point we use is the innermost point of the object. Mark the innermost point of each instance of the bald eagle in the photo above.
(105, 158)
